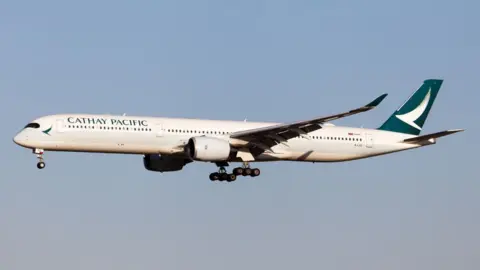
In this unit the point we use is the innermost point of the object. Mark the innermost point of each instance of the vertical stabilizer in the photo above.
(411, 116)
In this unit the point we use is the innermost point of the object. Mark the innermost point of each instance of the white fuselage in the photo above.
(166, 136)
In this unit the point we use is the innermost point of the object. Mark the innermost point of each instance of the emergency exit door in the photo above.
(159, 130)
(368, 140)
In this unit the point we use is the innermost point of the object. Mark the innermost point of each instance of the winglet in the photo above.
(377, 101)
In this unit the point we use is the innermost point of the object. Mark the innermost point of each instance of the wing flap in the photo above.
(427, 137)
(291, 130)
(261, 140)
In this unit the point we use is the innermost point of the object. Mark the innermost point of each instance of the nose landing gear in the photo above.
(39, 153)
(41, 165)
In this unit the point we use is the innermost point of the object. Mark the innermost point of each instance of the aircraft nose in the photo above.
(19, 139)
(16, 139)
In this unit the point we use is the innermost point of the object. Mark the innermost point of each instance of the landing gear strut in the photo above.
(245, 170)
(39, 153)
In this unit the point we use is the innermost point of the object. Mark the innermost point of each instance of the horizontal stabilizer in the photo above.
(427, 137)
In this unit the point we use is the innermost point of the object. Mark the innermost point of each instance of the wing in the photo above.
(427, 137)
(266, 137)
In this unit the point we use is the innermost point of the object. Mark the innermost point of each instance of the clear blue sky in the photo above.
(264, 60)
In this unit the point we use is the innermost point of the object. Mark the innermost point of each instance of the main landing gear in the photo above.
(39, 153)
(222, 174)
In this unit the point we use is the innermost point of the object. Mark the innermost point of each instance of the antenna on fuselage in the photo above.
(124, 114)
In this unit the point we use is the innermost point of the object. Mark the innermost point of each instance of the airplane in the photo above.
(168, 144)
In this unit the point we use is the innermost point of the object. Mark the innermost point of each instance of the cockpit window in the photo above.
(32, 125)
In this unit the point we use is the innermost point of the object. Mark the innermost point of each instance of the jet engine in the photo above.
(159, 163)
(207, 149)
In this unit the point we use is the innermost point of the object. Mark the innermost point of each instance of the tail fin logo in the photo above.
(412, 116)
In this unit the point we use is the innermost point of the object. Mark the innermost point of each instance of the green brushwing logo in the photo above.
(411, 116)
(47, 131)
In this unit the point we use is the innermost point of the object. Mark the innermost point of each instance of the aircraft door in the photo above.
(159, 132)
(368, 140)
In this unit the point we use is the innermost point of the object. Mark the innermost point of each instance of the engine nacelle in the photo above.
(208, 149)
(158, 163)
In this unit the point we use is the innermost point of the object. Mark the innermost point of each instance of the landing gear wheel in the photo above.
(223, 176)
(247, 171)
(255, 172)
(238, 171)
(214, 176)
(231, 177)
(41, 165)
